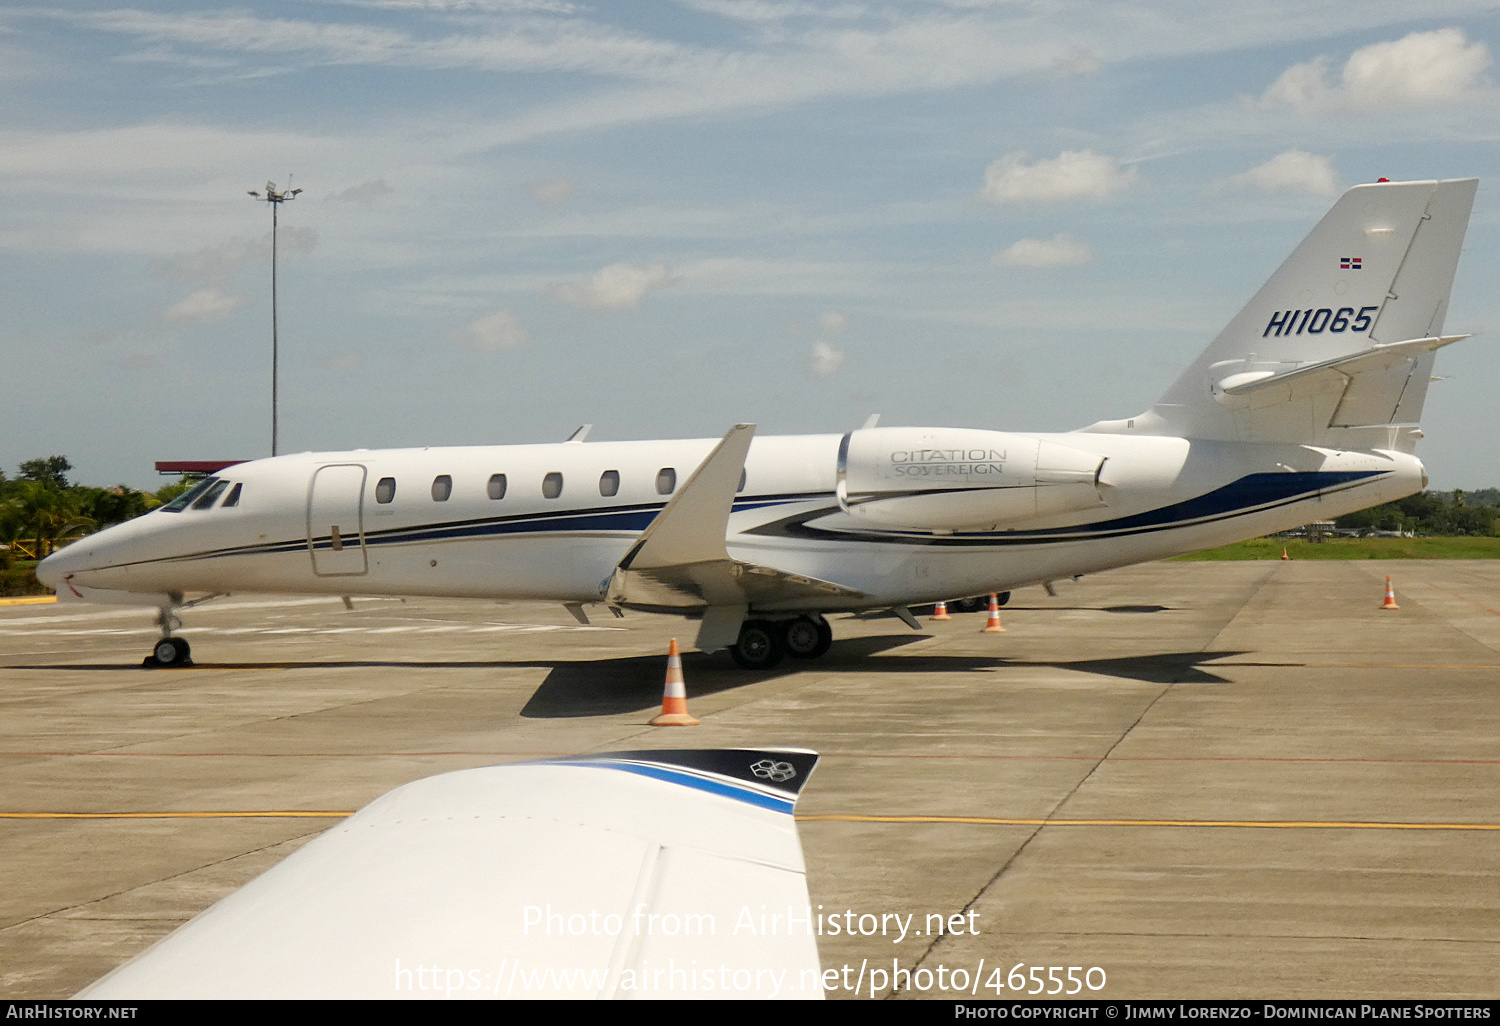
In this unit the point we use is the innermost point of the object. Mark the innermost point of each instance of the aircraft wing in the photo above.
(623, 875)
(681, 561)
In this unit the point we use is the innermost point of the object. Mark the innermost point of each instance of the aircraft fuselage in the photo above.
(1161, 497)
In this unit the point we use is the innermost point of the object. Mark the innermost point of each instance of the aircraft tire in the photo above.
(1002, 598)
(807, 637)
(759, 647)
(171, 652)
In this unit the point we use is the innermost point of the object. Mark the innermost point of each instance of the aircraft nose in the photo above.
(55, 567)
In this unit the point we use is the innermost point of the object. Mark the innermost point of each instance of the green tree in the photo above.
(12, 527)
(48, 470)
(50, 515)
(166, 493)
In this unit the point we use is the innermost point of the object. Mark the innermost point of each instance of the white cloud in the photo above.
(1074, 174)
(763, 11)
(1295, 171)
(204, 305)
(292, 240)
(826, 359)
(832, 322)
(213, 265)
(552, 191)
(365, 192)
(1058, 251)
(1420, 68)
(496, 332)
(616, 287)
(468, 6)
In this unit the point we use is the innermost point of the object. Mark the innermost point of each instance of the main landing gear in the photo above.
(977, 602)
(169, 651)
(763, 643)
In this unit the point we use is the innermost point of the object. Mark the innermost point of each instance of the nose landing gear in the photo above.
(169, 651)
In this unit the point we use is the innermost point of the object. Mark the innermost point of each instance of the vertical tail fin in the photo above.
(1376, 270)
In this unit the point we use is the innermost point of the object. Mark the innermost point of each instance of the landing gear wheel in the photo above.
(170, 652)
(759, 647)
(1002, 598)
(807, 638)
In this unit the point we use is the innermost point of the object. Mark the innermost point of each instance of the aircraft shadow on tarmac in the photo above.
(611, 686)
(605, 687)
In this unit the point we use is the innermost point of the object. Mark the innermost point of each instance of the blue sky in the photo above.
(666, 217)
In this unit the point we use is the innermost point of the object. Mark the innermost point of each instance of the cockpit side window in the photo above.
(180, 503)
(211, 496)
(234, 495)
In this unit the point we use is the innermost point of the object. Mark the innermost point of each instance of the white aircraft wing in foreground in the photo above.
(624, 875)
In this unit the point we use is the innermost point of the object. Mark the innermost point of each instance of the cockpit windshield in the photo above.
(194, 493)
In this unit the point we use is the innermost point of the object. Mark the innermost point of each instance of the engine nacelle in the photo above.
(952, 479)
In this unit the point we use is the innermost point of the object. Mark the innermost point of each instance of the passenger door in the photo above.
(335, 521)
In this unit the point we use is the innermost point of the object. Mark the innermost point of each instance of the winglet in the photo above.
(693, 525)
(681, 561)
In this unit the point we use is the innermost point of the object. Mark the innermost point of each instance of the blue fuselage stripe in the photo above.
(1247, 494)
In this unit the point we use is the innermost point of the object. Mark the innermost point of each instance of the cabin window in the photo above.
(211, 496)
(552, 485)
(743, 479)
(609, 483)
(442, 487)
(180, 503)
(234, 496)
(496, 487)
(385, 491)
(666, 481)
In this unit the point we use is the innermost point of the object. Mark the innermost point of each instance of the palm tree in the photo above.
(51, 515)
(12, 526)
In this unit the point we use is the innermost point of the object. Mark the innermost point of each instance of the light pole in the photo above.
(275, 199)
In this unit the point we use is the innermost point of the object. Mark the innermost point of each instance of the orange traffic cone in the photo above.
(1390, 595)
(993, 626)
(674, 697)
(940, 611)
(1283, 553)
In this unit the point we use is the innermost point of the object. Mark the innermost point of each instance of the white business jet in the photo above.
(1304, 408)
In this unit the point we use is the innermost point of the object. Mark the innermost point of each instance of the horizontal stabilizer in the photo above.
(1338, 370)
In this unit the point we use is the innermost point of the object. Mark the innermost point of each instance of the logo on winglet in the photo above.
(769, 769)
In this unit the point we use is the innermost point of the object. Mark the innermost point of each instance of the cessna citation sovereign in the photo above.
(1304, 408)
